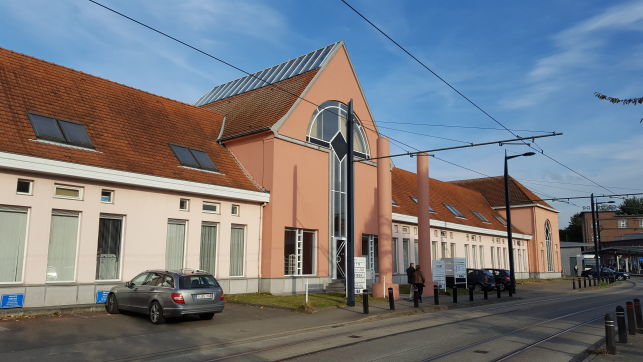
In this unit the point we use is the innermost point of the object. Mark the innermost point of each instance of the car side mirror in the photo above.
(129, 284)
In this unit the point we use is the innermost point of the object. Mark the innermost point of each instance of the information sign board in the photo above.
(101, 296)
(12, 301)
(439, 273)
(460, 268)
(360, 274)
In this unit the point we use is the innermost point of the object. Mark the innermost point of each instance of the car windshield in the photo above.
(487, 273)
(197, 281)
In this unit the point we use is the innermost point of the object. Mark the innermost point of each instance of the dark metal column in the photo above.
(595, 236)
(512, 274)
(350, 211)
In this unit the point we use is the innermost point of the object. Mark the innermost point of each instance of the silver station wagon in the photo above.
(165, 294)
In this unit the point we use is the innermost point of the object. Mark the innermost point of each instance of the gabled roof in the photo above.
(493, 189)
(404, 184)
(275, 74)
(258, 110)
(130, 129)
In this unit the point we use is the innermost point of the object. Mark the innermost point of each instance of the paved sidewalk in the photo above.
(630, 351)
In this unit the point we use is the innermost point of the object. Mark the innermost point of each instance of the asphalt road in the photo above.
(552, 325)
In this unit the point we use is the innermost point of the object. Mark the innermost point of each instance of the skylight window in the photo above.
(481, 217)
(455, 211)
(502, 221)
(193, 158)
(57, 130)
(431, 210)
(414, 199)
(394, 203)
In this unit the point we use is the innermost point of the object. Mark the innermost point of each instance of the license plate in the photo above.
(205, 296)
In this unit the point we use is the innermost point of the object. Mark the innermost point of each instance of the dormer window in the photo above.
(60, 131)
(190, 157)
(481, 217)
(454, 211)
(414, 199)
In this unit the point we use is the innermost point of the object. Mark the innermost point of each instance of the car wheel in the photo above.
(502, 286)
(206, 316)
(620, 277)
(112, 304)
(156, 313)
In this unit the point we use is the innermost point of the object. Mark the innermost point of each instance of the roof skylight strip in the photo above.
(324, 53)
(238, 84)
(302, 65)
(314, 60)
(249, 84)
(286, 70)
(228, 91)
(218, 92)
(275, 72)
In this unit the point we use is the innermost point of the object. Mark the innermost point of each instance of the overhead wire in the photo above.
(474, 104)
(459, 126)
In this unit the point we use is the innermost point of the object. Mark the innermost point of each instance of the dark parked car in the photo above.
(480, 279)
(502, 277)
(164, 294)
(606, 272)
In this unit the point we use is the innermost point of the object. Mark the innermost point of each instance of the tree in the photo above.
(633, 101)
(573, 231)
(631, 206)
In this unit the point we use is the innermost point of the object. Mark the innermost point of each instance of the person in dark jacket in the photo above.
(410, 273)
(418, 280)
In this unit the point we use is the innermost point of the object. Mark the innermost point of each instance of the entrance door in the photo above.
(339, 258)
(572, 264)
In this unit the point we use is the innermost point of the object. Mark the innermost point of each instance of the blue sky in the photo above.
(532, 65)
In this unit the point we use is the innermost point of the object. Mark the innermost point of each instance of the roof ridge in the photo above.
(269, 76)
(101, 78)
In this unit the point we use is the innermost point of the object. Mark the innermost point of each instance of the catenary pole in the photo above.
(594, 236)
(512, 274)
(350, 212)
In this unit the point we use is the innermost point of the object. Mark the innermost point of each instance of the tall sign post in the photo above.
(350, 211)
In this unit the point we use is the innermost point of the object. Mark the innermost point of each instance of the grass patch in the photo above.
(296, 302)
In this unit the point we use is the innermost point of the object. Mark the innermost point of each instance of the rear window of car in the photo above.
(197, 281)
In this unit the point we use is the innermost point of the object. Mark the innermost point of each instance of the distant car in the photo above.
(165, 294)
(502, 277)
(480, 279)
(606, 272)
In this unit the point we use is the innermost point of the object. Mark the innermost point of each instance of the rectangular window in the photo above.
(68, 192)
(622, 223)
(434, 250)
(395, 229)
(641, 223)
(405, 230)
(466, 255)
(24, 187)
(108, 253)
(481, 256)
(435, 233)
(299, 251)
(473, 238)
(499, 258)
(107, 196)
(394, 252)
(235, 210)
(454, 211)
(405, 251)
(450, 235)
(453, 255)
(193, 158)
(184, 204)
(237, 250)
(474, 256)
(57, 130)
(415, 230)
(493, 257)
(208, 254)
(505, 256)
(63, 240)
(416, 250)
(13, 223)
(443, 250)
(480, 216)
(211, 207)
(175, 244)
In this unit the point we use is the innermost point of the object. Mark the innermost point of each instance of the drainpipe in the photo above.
(260, 246)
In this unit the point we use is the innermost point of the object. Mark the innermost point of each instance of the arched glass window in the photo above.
(328, 129)
(550, 264)
(329, 122)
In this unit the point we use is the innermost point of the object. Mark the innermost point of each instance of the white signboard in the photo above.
(439, 273)
(460, 268)
(360, 274)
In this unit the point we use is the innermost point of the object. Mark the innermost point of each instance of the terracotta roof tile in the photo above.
(493, 188)
(404, 185)
(259, 109)
(131, 129)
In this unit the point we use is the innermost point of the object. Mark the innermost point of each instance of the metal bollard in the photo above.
(486, 294)
(620, 322)
(455, 294)
(595, 282)
(471, 294)
(365, 301)
(609, 334)
(416, 299)
(498, 291)
(573, 284)
(436, 295)
(631, 322)
(584, 282)
(637, 313)
(391, 301)
(579, 283)
(512, 291)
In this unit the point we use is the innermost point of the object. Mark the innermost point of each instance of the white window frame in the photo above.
(30, 192)
(406, 230)
(245, 250)
(187, 204)
(217, 244)
(80, 189)
(238, 213)
(111, 196)
(641, 223)
(24, 252)
(185, 240)
(217, 204)
(622, 223)
(299, 248)
(63, 212)
(120, 257)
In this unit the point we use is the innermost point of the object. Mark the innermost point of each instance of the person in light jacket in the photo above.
(418, 280)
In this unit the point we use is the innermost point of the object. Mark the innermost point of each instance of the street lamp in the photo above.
(598, 236)
(512, 275)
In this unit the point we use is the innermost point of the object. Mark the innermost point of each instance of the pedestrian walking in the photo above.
(576, 270)
(410, 273)
(418, 280)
